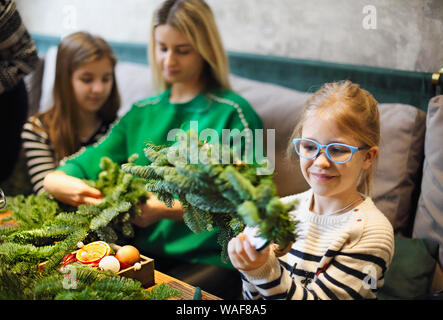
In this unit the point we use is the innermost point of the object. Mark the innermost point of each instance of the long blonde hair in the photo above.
(61, 120)
(356, 112)
(195, 20)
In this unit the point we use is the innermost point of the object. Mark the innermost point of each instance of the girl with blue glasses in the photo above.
(344, 244)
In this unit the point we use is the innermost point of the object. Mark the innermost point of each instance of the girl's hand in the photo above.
(71, 190)
(244, 256)
(154, 210)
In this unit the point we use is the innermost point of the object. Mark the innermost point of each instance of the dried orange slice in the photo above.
(93, 252)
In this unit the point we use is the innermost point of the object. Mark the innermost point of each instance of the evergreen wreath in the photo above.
(46, 231)
(215, 195)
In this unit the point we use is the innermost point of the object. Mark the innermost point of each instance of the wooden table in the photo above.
(186, 289)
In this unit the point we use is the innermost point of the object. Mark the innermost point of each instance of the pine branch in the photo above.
(107, 234)
(31, 211)
(216, 195)
(48, 230)
(162, 292)
(14, 286)
(108, 214)
(61, 249)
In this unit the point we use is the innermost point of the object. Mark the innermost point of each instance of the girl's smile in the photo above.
(321, 177)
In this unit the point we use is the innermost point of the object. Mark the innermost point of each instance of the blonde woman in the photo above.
(86, 101)
(190, 66)
(345, 244)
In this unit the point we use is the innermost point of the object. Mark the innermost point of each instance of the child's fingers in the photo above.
(235, 261)
(244, 256)
(240, 249)
(251, 253)
(233, 256)
(236, 253)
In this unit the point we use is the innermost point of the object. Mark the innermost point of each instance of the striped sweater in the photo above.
(18, 53)
(40, 154)
(334, 257)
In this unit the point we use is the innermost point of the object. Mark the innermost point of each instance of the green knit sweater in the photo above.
(150, 120)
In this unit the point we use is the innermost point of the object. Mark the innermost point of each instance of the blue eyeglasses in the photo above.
(335, 152)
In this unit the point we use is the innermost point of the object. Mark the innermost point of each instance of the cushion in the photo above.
(48, 79)
(410, 274)
(429, 218)
(133, 81)
(399, 163)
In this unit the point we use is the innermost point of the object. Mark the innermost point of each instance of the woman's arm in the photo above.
(70, 190)
(65, 183)
(75, 192)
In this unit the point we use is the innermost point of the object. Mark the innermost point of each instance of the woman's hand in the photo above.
(244, 256)
(154, 210)
(71, 190)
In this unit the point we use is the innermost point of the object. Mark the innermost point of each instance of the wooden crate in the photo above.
(145, 274)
